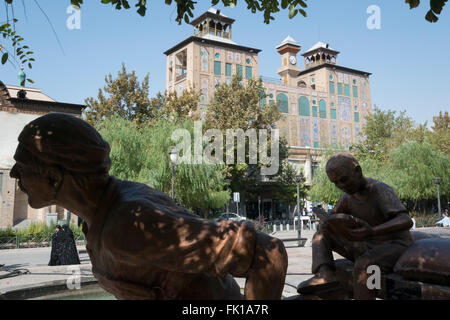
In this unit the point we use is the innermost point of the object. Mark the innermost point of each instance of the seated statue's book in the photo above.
(340, 223)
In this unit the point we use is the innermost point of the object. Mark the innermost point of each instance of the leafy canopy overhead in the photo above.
(185, 8)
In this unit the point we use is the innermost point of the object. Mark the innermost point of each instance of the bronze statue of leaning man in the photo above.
(142, 245)
(369, 226)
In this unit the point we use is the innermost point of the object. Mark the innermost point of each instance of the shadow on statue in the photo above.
(141, 244)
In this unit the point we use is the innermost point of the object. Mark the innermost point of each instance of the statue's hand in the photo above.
(362, 232)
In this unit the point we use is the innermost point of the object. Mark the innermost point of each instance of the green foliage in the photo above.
(38, 232)
(185, 8)
(322, 189)
(140, 153)
(385, 131)
(16, 52)
(237, 105)
(129, 148)
(123, 96)
(287, 186)
(436, 7)
(413, 166)
(127, 98)
(440, 133)
(170, 104)
(424, 220)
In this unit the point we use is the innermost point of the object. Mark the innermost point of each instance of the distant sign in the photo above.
(236, 197)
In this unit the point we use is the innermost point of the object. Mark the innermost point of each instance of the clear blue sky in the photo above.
(408, 56)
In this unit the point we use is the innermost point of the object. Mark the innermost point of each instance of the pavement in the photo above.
(28, 268)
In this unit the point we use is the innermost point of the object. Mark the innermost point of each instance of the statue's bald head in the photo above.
(66, 141)
(340, 160)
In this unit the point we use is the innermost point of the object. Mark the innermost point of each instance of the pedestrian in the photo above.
(70, 253)
(64, 251)
(445, 221)
(57, 247)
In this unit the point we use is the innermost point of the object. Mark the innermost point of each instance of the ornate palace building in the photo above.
(323, 103)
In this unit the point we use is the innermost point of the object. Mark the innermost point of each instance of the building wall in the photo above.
(7, 195)
(12, 124)
(13, 202)
(320, 129)
(201, 71)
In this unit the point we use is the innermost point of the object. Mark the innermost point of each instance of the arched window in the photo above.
(322, 109)
(303, 106)
(284, 103)
(262, 101)
(204, 59)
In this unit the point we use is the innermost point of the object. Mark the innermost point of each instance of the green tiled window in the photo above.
(228, 69)
(340, 88)
(284, 103)
(217, 68)
(262, 102)
(332, 89)
(303, 107)
(355, 92)
(248, 73)
(239, 70)
(314, 111)
(322, 109)
(347, 90)
(356, 116)
(316, 145)
(333, 114)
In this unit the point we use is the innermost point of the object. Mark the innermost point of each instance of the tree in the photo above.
(436, 7)
(16, 52)
(322, 189)
(169, 103)
(123, 96)
(440, 134)
(287, 185)
(127, 98)
(237, 105)
(140, 153)
(268, 7)
(412, 168)
(385, 131)
(129, 146)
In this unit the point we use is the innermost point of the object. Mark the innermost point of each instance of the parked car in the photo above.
(229, 216)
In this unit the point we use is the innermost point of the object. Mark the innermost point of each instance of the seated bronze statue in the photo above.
(142, 245)
(369, 226)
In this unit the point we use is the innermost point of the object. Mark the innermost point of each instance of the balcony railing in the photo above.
(180, 76)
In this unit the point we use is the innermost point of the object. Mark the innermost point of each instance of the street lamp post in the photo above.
(228, 181)
(173, 156)
(437, 182)
(259, 209)
(298, 180)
